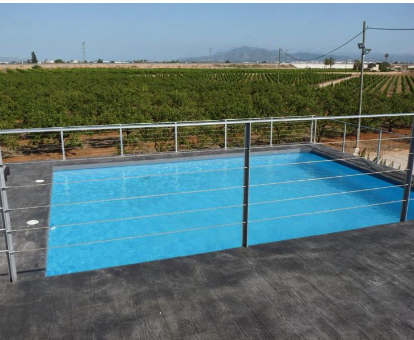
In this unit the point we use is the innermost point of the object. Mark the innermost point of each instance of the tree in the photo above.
(386, 57)
(357, 65)
(384, 67)
(329, 62)
(100, 61)
(59, 61)
(34, 58)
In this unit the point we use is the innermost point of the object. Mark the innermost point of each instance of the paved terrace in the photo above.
(351, 285)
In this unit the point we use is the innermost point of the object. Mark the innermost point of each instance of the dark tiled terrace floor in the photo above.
(352, 285)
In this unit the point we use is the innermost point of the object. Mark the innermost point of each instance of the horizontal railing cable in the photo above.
(324, 211)
(132, 155)
(129, 237)
(304, 163)
(326, 195)
(325, 178)
(148, 216)
(339, 142)
(127, 198)
(125, 177)
(370, 128)
(28, 229)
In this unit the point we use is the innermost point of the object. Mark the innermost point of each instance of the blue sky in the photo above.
(168, 31)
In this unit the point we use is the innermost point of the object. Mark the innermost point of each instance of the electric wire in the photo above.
(389, 29)
(323, 55)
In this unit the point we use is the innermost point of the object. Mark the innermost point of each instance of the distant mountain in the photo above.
(254, 54)
(10, 59)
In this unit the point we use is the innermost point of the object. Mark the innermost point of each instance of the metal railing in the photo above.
(393, 137)
(247, 125)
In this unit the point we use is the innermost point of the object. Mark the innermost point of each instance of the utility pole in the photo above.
(362, 47)
(83, 52)
(278, 68)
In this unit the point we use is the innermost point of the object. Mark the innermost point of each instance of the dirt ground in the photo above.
(153, 66)
(337, 81)
(393, 152)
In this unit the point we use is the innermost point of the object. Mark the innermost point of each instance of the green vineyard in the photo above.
(62, 97)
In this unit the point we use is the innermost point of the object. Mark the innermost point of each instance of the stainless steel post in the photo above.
(176, 136)
(314, 134)
(271, 132)
(408, 178)
(361, 88)
(62, 142)
(246, 183)
(121, 141)
(379, 146)
(5, 216)
(311, 132)
(225, 133)
(344, 139)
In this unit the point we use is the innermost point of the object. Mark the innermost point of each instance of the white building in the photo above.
(337, 65)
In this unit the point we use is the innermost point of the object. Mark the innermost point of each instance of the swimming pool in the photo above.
(118, 215)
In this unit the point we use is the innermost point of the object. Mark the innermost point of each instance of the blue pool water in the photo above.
(110, 216)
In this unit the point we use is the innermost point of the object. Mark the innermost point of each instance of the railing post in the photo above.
(379, 146)
(5, 217)
(344, 139)
(176, 136)
(271, 131)
(315, 132)
(225, 134)
(246, 183)
(408, 178)
(62, 142)
(121, 141)
(311, 132)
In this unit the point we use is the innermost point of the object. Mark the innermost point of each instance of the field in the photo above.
(91, 96)
(385, 84)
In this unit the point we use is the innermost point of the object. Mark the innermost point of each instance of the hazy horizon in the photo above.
(174, 31)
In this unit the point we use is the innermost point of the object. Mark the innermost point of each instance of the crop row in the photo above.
(387, 85)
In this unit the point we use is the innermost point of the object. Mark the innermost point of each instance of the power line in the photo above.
(390, 29)
(347, 42)
(324, 55)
